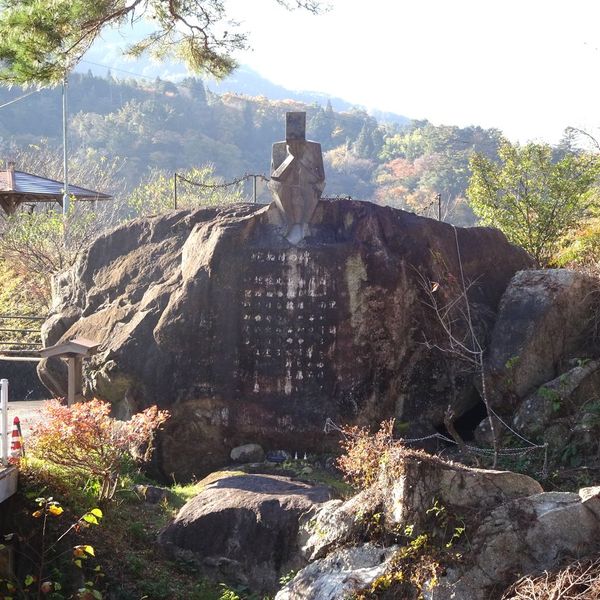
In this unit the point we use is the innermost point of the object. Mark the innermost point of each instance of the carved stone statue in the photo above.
(297, 176)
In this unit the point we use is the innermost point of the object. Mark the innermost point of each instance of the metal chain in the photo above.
(337, 197)
(246, 176)
(519, 451)
(511, 429)
(216, 186)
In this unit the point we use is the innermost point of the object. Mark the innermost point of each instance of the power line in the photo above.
(110, 68)
(149, 79)
(89, 62)
(20, 98)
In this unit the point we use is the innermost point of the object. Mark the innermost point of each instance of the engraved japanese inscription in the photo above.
(288, 329)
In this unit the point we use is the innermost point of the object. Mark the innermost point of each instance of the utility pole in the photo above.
(254, 187)
(65, 206)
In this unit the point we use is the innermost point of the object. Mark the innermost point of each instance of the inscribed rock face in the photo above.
(246, 337)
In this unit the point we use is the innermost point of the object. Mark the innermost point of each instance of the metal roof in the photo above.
(34, 185)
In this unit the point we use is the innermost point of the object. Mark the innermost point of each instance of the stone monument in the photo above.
(297, 176)
(255, 324)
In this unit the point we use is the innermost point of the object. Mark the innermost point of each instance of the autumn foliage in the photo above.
(85, 439)
(364, 452)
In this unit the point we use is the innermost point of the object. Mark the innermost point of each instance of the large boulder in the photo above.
(528, 535)
(336, 523)
(250, 521)
(423, 481)
(568, 393)
(244, 337)
(565, 414)
(248, 453)
(542, 368)
(411, 489)
(545, 319)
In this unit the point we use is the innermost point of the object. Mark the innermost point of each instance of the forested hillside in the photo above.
(140, 128)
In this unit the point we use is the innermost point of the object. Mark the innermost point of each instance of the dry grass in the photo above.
(580, 580)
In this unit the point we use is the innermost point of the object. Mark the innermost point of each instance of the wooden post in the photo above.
(78, 377)
(75, 379)
(71, 380)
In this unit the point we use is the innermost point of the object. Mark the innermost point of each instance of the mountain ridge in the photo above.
(244, 80)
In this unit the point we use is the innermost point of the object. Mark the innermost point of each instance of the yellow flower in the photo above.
(55, 510)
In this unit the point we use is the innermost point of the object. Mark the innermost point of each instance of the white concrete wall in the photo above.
(8, 482)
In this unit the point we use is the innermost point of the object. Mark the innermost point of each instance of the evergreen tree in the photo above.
(369, 141)
(196, 87)
(320, 127)
(41, 41)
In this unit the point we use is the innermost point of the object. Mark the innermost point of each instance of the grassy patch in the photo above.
(125, 542)
(134, 564)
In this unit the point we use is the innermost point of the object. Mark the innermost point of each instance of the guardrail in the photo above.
(4, 433)
(20, 333)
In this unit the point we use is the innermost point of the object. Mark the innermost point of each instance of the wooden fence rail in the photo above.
(20, 333)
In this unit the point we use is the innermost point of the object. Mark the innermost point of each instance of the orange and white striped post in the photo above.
(17, 448)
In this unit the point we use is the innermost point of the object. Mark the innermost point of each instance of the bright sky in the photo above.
(528, 67)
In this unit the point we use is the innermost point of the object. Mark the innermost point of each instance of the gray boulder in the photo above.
(341, 575)
(242, 335)
(544, 320)
(249, 521)
(405, 496)
(248, 453)
(422, 480)
(566, 394)
(565, 414)
(511, 527)
(335, 523)
(527, 535)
